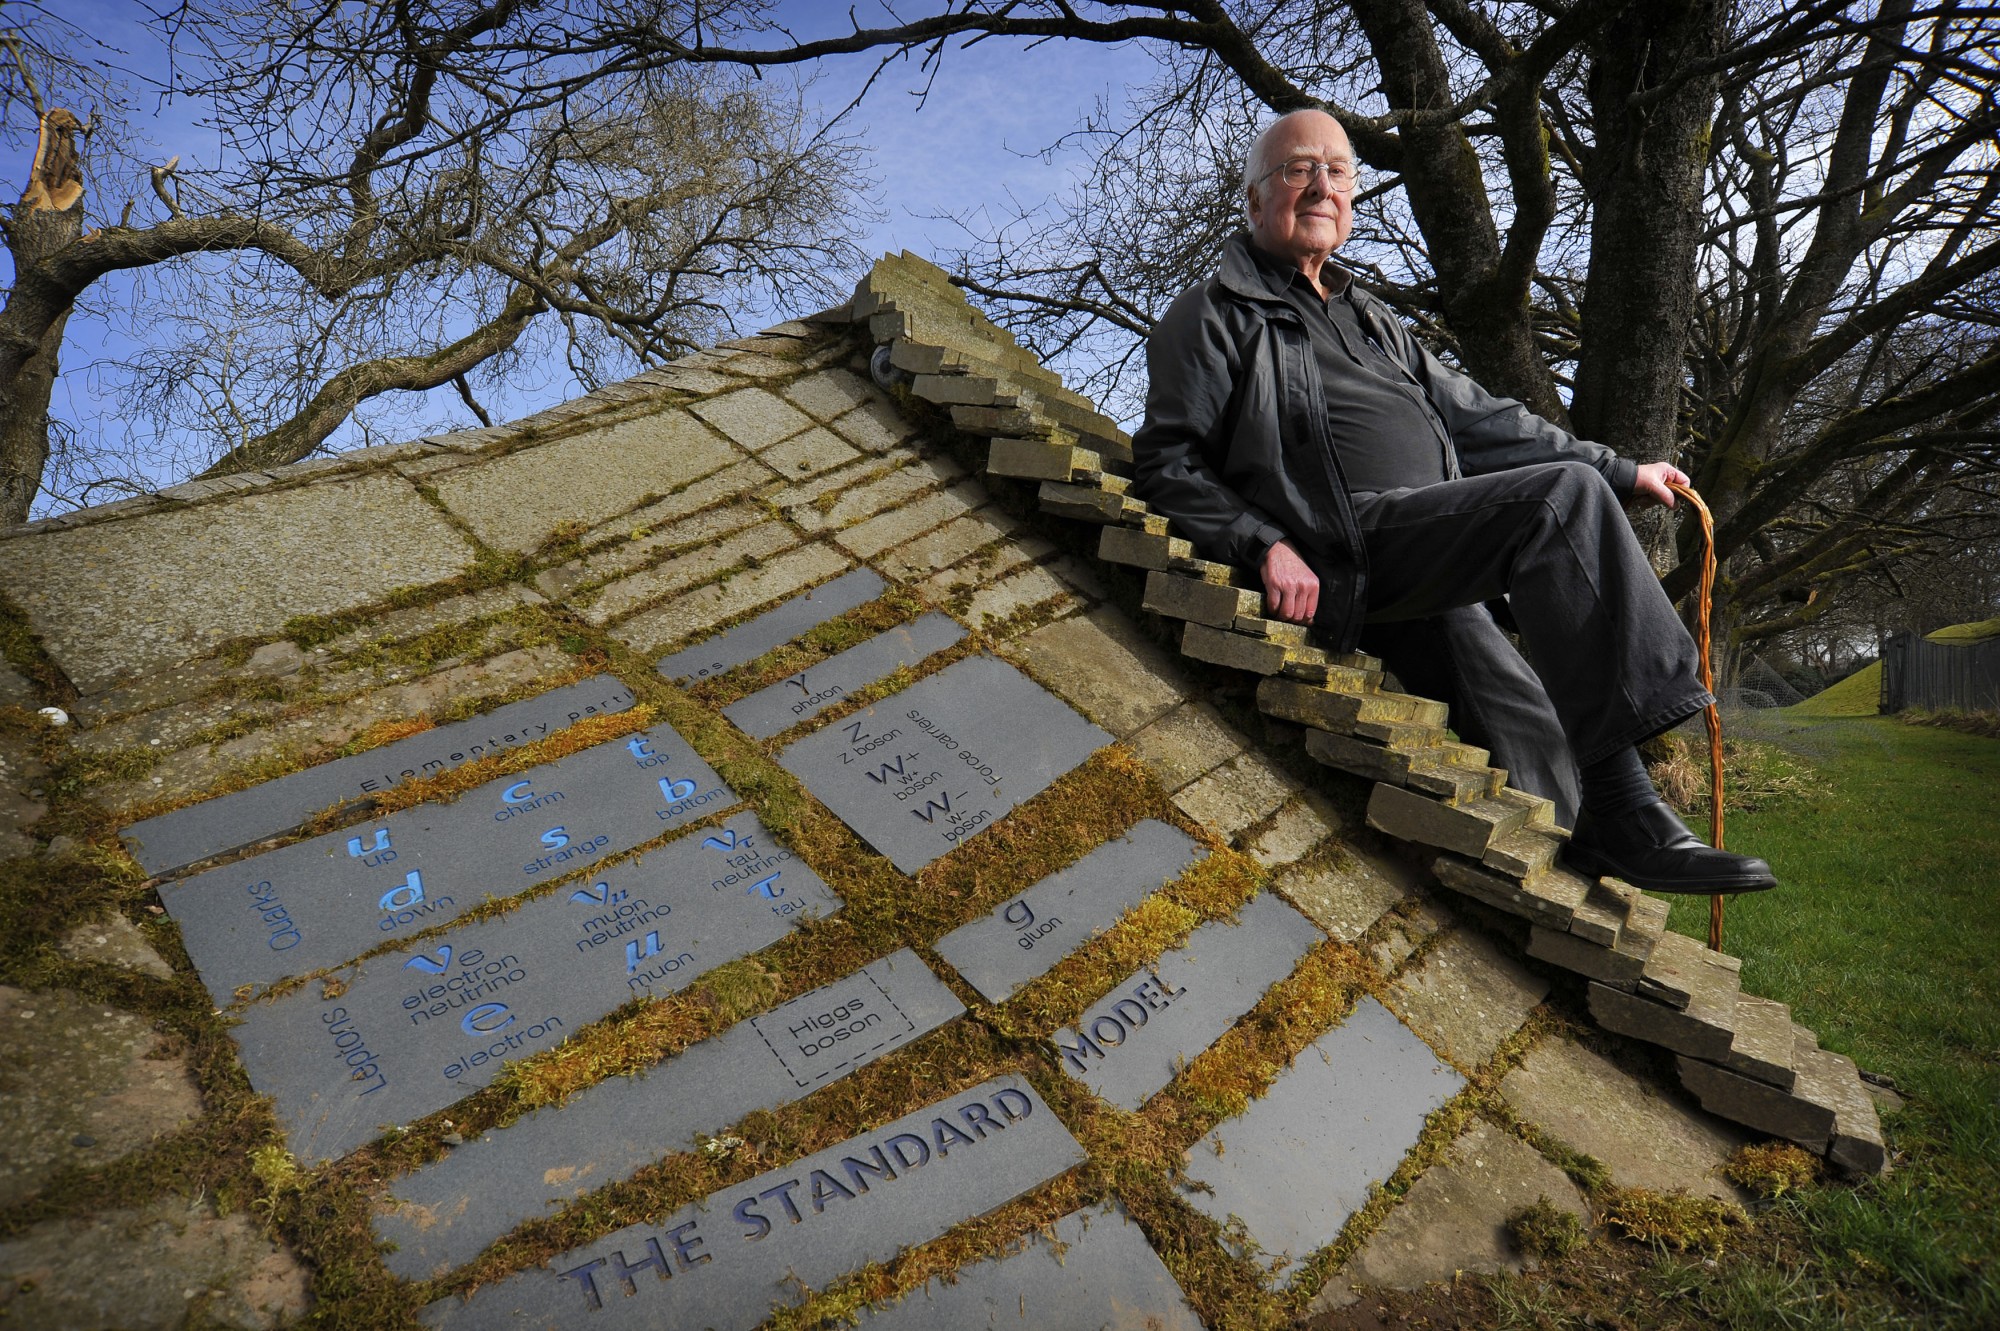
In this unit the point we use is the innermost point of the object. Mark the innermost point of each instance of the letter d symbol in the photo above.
(405, 894)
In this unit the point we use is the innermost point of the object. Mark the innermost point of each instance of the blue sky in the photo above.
(973, 143)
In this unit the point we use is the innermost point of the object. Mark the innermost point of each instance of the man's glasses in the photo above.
(1299, 172)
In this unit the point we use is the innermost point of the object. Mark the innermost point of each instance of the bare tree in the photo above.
(1683, 226)
(406, 193)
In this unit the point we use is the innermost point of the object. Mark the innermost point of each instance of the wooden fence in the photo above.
(1917, 673)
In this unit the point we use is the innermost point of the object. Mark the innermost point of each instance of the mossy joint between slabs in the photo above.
(892, 609)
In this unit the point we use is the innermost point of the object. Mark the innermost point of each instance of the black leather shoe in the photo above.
(1653, 849)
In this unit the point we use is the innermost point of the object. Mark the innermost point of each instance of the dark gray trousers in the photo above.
(1613, 663)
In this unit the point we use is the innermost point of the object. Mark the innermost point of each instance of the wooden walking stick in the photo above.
(1712, 715)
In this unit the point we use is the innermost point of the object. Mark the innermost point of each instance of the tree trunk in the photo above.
(48, 218)
(1486, 309)
(1645, 179)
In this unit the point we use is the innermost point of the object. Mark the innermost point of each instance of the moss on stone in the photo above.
(1545, 1231)
(1675, 1220)
(1771, 1169)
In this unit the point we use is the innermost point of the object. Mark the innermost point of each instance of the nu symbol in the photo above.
(430, 965)
(601, 893)
(725, 841)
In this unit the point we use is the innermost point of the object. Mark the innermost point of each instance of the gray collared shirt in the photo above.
(1384, 429)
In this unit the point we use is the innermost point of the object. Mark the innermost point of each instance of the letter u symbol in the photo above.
(357, 849)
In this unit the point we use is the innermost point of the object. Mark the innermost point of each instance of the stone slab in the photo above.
(113, 599)
(1646, 1138)
(1345, 895)
(1454, 1219)
(1096, 1273)
(80, 1086)
(1100, 663)
(449, 1210)
(998, 953)
(693, 613)
(816, 688)
(115, 941)
(725, 1263)
(327, 900)
(409, 1032)
(1184, 744)
(1132, 1042)
(514, 502)
(230, 822)
(1299, 1161)
(160, 1267)
(774, 628)
(1467, 997)
(752, 417)
(919, 772)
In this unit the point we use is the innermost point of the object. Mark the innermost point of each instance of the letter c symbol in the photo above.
(512, 796)
(486, 1018)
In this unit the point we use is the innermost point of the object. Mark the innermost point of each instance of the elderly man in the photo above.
(1295, 427)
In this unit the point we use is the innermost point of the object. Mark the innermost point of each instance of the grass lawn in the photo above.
(1885, 939)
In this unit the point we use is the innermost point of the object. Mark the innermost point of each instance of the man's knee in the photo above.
(1569, 487)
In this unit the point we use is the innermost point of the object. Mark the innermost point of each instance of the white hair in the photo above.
(1254, 170)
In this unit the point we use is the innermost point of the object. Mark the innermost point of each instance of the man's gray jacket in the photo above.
(1235, 449)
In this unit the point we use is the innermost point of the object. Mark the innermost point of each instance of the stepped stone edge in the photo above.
(1510, 812)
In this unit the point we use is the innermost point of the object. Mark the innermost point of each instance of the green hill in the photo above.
(1860, 694)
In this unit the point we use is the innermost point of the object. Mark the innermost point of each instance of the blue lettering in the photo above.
(431, 965)
(514, 793)
(633, 954)
(717, 843)
(556, 838)
(638, 747)
(676, 790)
(486, 1018)
(357, 849)
(406, 894)
(764, 886)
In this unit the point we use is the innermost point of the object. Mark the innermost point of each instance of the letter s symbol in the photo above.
(514, 793)
(556, 838)
(746, 1216)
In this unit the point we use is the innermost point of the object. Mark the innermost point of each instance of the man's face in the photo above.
(1301, 225)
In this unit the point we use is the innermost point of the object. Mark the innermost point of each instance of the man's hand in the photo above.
(1291, 590)
(1651, 487)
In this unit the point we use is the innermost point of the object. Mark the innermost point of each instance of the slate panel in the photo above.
(230, 822)
(329, 899)
(999, 953)
(1099, 1274)
(451, 1209)
(1132, 1041)
(753, 637)
(411, 1032)
(1298, 1162)
(918, 773)
(725, 1263)
(816, 688)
